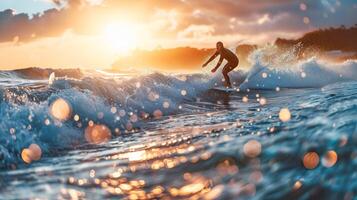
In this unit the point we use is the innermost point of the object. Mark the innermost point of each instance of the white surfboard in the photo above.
(225, 89)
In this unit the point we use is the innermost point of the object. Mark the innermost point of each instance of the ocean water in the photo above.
(285, 133)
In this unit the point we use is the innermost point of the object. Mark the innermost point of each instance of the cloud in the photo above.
(196, 32)
(179, 18)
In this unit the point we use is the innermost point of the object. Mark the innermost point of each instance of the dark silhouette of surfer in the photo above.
(229, 56)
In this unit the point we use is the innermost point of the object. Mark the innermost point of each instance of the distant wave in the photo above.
(41, 73)
(274, 69)
(311, 73)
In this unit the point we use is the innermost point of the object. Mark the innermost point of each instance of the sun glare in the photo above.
(121, 37)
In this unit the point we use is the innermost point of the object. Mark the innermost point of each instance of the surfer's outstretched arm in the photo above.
(218, 64)
(210, 59)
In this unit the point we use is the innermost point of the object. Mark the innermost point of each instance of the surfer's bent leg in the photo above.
(226, 69)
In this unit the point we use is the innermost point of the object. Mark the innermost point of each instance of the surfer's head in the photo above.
(219, 45)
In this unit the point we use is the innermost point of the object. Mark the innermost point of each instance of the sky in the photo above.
(93, 33)
(26, 6)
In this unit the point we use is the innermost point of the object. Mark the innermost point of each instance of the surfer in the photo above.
(229, 56)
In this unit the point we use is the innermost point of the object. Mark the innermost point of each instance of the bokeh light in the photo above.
(252, 148)
(311, 160)
(113, 110)
(245, 99)
(76, 118)
(329, 159)
(297, 185)
(166, 104)
(61, 109)
(134, 118)
(36, 152)
(97, 133)
(303, 7)
(227, 166)
(284, 115)
(157, 114)
(262, 101)
(152, 96)
(303, 74)
(26, 156)
(33, 153)
(264, 75)
(191, 189)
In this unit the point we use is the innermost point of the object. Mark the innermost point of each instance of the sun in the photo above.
(122, 37)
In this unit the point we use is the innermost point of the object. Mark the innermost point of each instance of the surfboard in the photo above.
(225, 89)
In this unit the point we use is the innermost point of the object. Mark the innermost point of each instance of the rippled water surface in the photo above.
(159, 137)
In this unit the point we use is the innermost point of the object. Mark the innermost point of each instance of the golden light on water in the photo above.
(252, 148)
(158, 190)
(33, 153)
(163, 158)
(329, 159)
(97, 133)
(190, 189)
(311, 160)
(284, 115)
(61, 109)
(214, 193)
(137, 155)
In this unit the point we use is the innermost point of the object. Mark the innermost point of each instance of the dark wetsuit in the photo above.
(232, 62)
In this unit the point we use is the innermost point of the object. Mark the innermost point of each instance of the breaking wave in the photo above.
(122, 104)
(306, 74)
